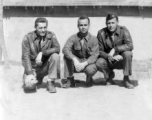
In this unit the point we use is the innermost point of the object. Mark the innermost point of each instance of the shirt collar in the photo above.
(86, 38)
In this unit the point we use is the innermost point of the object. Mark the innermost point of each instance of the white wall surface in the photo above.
(16, 27)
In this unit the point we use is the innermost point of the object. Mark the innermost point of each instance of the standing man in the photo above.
(40, 56)
(80, 53)
(115, 46)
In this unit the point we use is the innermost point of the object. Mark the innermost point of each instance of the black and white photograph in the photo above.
(75, 60)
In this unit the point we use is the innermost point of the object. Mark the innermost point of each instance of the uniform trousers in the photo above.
(50, 67)
(106, 67)
(69, 68)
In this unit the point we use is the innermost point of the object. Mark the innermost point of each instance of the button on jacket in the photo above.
(122, 41)
(31, 46)
(88, 52)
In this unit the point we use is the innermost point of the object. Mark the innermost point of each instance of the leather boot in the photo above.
(127, 83)
(51, 86)
(66, 83)
(89, 81)
(110, 81)
(73, 84)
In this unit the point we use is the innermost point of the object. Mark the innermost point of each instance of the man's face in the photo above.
(83, 25)
(112, 24)
(41, 28)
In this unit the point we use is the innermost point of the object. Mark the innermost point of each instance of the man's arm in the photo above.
(101, 46)
(94, 53)
(26, 62)
(67, 49)
(55, 47)
(128, 43)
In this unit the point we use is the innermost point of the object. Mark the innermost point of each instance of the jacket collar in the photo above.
(37, 37)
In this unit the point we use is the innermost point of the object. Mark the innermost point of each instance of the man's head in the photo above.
(83, 24)
(41, 26)
(112, 22)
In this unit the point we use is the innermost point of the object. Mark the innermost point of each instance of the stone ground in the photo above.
(99, 102)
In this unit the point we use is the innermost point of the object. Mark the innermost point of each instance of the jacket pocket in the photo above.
(77, 49)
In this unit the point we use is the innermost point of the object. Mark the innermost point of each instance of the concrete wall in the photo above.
(63, 22)
(16, 28)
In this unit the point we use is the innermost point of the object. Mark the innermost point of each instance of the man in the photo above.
(80, 54)
(40, 56)
(115, 46)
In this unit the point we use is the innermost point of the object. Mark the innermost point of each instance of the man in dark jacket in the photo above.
(40, 56)
(115, 46)
(80, 53)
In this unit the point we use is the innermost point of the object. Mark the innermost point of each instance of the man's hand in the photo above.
(110, 58)
(79, 66)
(76, 61)
(39, 59)
(112, 52)
(118, 57)
(30, 80)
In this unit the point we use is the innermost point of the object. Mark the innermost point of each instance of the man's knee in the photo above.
(127, 54)
(91, 69)
(54, 57)
(101, 62)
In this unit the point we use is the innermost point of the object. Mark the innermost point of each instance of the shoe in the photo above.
(39, 83)
(128, 84)
(73, 84)
(110, 81)
(89, 81)
(69, 82)
(51, 86)
(65, 83)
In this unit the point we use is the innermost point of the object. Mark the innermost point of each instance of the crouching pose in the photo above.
(115, 46)
(40, 56)
(80, 54)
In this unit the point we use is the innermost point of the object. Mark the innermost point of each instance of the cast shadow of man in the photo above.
(102, 82)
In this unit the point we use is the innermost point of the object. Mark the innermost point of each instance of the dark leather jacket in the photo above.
(122, 41)
(31, 48)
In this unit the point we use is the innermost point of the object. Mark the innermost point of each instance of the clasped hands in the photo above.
(79, 66)
(114, 58)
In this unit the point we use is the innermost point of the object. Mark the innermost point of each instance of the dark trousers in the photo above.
(50, 67)
(69, 68)
(126, 64)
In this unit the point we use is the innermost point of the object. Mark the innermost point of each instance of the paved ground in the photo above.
(96, 103)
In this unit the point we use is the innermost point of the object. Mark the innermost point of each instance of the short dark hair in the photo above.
(40, 20)
(84, 17)
(111, 16)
